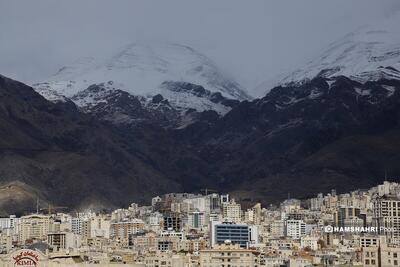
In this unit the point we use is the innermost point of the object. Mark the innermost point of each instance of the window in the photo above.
(366, 262)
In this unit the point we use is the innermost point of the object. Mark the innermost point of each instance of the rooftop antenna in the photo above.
(288, 195)
(385, 174)
(37, 205)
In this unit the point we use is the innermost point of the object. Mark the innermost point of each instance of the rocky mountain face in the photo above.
(120, 107)
(303, 139)
(325, 133)
(56, 153)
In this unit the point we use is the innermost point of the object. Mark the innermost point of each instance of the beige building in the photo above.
(232, 211)
(5, 243)
(376, 252)
(277, 228)
(35, 226)
(253, 215)
(146, 241)
(228, 255)
(122, 230)
(166, 260)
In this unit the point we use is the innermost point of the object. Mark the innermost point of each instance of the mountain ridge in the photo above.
(336, 131)
(371, 52)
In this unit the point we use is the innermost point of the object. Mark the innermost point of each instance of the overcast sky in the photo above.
(252, 40)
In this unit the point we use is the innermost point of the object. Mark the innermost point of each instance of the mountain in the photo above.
(324, 133)
(367, 54)
(120, 107)
(188, 80)
(53, 152)
(304, 139)
(157, 119)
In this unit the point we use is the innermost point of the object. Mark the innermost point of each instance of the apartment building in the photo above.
(35, 226)
(228, 255)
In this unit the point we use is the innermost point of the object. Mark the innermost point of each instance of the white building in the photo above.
(309, 242)
(10, 222)
(100, 227)
(295, 228)
(196, 219)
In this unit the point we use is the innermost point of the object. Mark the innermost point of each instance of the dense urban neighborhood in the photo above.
(360, 228)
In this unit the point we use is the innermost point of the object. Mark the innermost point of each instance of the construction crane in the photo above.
(51, 208)
(206, 190)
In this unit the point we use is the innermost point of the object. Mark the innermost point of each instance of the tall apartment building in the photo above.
(277, 228)
(123, 229)
(172, 222)
(387, 216)
(35, 226)
(253, 215)
(9, 222)
(295, 228)
(196, 219)
(77, 225)
(215, 202)
(232, 211)
(346, 214)
(317, 203)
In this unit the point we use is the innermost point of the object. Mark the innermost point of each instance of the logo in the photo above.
(26, 258)
(356, 229)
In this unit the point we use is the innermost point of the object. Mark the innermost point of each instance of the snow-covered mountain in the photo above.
(367, 54)
(145, 71)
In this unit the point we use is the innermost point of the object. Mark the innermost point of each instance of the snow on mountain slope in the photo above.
(141, 70)
(367, 54)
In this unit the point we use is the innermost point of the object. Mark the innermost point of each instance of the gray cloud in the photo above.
(253, 40)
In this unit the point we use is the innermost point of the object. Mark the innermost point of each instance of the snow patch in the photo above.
(390, 89)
